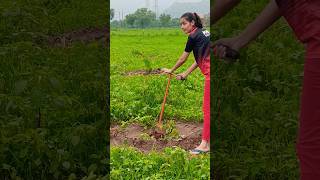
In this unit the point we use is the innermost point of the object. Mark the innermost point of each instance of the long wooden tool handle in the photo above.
(164, 99)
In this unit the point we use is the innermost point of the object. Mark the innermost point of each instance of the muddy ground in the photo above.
(84, 35)
(142, 72)
(189, 137)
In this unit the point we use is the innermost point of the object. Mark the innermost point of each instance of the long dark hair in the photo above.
(193, 17)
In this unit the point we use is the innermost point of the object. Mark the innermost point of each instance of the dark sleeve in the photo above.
(189, 45)
(283, 4)
(278, 3)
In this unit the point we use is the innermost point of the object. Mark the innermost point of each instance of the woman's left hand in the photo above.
(220, 46)
(181, 76)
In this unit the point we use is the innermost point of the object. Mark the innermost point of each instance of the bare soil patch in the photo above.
(84, 35)
(146, 140)
(143, 72)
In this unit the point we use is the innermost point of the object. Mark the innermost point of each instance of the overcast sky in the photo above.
(130, 6)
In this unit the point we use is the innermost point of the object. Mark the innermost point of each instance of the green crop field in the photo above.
(127, 163)
(52, 99)
(138, 99)
(260, 101)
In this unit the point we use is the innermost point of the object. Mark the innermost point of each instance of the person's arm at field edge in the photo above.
(184, 75)
(266, 18)
(220, 8)
(180, 61)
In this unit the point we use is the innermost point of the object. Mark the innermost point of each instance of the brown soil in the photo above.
(85, 35)
(143, 72)
(189, 137)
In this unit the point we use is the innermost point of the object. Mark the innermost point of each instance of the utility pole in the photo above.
(120, 19)
(156, 7)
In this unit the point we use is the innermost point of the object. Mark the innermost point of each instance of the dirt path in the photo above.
(142, 72)
(84, 35)
(189, 137)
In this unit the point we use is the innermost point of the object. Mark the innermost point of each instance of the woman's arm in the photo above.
(191, 68)
(184, 75)
(220, 8)
(266, 18)
(180, 61)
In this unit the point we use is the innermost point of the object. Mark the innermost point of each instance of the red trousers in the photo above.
(204, 66)
(304, 18)
(308, 144)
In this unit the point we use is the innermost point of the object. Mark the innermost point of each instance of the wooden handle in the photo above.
(164, 99)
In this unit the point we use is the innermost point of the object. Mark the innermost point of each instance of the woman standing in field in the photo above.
(198, 42)
(304, 18)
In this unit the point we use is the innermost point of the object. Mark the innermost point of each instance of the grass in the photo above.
(53, 100)
(140, 96)
(139, 99)
(127, 163)
(260, 101)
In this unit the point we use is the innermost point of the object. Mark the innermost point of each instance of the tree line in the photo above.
(143, 18)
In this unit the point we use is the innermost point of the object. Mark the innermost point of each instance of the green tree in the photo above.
(142, 18)
(175, 22)
(115, 24)
(165, 19)
(111, 14)
(130, 19)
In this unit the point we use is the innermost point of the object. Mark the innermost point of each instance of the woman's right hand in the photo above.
(166, 70)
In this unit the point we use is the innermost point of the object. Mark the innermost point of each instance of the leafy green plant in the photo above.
(52, 100)
(127, 163)
(138, 99)
(256, 130)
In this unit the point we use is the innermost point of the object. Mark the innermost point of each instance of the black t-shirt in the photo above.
(199, 43)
